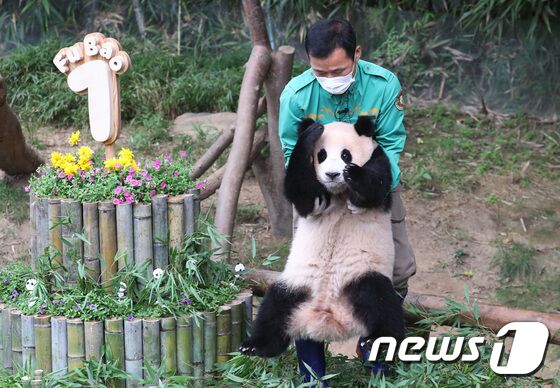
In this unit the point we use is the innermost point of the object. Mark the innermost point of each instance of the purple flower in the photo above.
(27, 188)
(183, 154)
(92, 307)
(176, 173)
(118, 190)
(118, 165)
(15, 293)
(163, 185)
(131, 171)
(130, 317)
(135, 183)
(117, 201)
(70, 176)
(62, 175)
(157, 164)
(91, 180)
(62, 302)
(6, 281)
(152, 193)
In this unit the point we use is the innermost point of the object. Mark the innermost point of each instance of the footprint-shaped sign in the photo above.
(93, 66)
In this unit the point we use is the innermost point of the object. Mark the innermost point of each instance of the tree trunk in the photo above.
(139, 14)
(16, 157)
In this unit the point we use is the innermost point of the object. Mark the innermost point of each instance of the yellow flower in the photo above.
(85, 153)
(84, 164)
(57, 160)
(71, 168)
(126, 154)
(113, 164)
(69, 159)
(74, 138)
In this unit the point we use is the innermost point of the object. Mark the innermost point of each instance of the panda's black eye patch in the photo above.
(346, 156)
(321, 155)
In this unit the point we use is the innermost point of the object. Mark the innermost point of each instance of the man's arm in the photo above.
(390, 132)
(290, 116)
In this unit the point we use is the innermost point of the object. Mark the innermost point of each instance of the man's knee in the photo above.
(405, 260)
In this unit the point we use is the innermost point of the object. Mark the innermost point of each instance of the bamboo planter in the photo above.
(184, 345)
(131, 232)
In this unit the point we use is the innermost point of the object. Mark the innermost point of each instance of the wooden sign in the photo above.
(92, 66)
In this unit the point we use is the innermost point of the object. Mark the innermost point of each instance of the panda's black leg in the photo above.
(269, 337)
(377, 305)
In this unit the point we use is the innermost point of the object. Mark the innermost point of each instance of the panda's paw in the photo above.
(353, 208)
(352, 173)
(254, 347)
(320, 205)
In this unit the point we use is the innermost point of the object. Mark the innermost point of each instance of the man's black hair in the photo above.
(326, 35)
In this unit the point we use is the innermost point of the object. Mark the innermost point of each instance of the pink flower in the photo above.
(157, 164)
(62, 175)
(199, 185)
(166, 158)
(27, 188)
(54, 191)
(117, 201)
(152, 193)
(135, 182)
(183, 154)
(129, 199)
(176, 173)
(163, 185)
(118, 190)
(91, 180)
(118, 165)
(70, 176)
(131, 171)
(126, 193)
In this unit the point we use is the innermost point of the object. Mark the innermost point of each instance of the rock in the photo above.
(210, 123)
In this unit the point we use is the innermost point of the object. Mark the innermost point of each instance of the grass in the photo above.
(248, 213)
(14, 203)
(516, 261)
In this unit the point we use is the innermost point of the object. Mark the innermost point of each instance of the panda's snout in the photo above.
(332, 175)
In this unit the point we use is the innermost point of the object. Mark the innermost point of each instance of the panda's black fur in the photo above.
(329, 291)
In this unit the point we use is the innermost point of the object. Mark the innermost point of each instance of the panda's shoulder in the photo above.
(379, 72)
(300, 82)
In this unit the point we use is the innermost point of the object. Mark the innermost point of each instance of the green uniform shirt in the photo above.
(375, 92)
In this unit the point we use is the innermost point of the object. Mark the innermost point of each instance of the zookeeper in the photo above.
(340, 86)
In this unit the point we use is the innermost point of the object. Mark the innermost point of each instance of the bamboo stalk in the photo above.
(42, 224)
(198, 347)
(76, 344)
(196, 193)
(237, 318)
(37, 378)
(32, 218)
(94, 341)
(42, 327)
(185, 345)
(91, 232)
(151, 342)
(59, 343)
(168, 336)
(114, 341)
(223, 334)
(17, 357)
(175, 216)
(7, 337)
(160, 231)
(143, 235)
(28, 340)
(25, 382)
(125, 234)
(247, 298)
(133, 351)
(209, 341)
(2, 307)
(72, 251)
(55, 232)
(189, 218)
(108, 241)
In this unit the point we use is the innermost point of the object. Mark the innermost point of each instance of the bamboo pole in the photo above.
(247, 299)
(28, 340)
(209, 341)
(189, 217)
(43, 349)
(176, 221)
(55, 232)
(17, 357)
(91, 232)
(143, 244)
(2, 307)
(133, 351)
(32, 218)
(71, 210)
(198, 347)
(37, 378)
(42, 224)
(160, 231)
(7, 337)
(94, 341)
(59, 343)
(196, 193)
(184, 345)
(125, 234)
(223, 334)
(108, 240)
(114, 342)
(25, 382)
(76, 344)
(168, 336)
(237, 317)
(151, 342)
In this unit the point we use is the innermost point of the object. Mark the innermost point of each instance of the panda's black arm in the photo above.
(369, 186)
(301, 186)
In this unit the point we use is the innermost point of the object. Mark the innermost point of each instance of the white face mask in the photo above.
(337, 85)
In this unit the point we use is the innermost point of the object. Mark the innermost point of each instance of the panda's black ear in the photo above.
(365, 126)
(304, 124)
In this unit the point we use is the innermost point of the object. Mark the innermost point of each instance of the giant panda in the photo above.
(337, 280)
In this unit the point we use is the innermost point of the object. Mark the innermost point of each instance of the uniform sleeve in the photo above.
(390, 133)
(288, 119)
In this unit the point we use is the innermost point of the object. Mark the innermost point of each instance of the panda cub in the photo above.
(337, 280)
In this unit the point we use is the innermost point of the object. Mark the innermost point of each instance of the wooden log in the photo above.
(55, 231)
(114, 344)
(7, 337)
(133, 351)
(209, 341)
(43, 348)
(198, 346)
(91, 232)
(26, 382)
(151, 342)
(219, 146)
(59, 343)
(189, 214)
(238, 158)
(168, 338)
(94, 340)
(143, 243)
(125, 234)
(237, 323)
(185, 345)
(72, 250)
(17, 356)
(108, 240)
(176, 221)
(223, 334)
(28, 340)
(255, 21)
(42, 224)
(34, 230)
(76, 343)
(160, 231)
(37, 378)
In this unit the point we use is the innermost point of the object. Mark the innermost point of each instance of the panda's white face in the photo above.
(338, 146)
